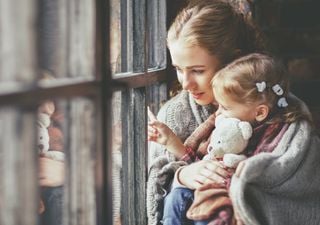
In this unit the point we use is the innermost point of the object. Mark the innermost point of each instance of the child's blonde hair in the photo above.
(251, 79)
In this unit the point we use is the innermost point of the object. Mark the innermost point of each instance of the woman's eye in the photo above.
(198, 71)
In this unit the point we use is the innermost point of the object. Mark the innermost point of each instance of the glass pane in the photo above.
(128, 33)
(115, 36)
(157, 34)
(18, 180)
(17, 44)
(67, 38)
(116, 157)
(67, 148)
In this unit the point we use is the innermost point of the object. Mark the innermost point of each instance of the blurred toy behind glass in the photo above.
(50, 137)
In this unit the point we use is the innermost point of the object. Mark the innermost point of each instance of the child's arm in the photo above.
(160, 133)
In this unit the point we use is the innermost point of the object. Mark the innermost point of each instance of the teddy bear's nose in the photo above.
(41, 146)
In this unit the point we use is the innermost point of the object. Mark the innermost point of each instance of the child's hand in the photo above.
(162, 134)
(157, 131)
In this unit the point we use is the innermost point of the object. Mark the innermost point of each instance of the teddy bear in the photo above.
(44, 134)
(50, 138)
(228, 140)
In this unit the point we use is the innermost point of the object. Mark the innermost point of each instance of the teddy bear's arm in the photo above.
(232, 160)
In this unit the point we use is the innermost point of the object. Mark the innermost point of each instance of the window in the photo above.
(57, 53)
(138, 56)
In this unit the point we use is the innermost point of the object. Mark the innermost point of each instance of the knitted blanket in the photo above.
(214, 203)
(281, 187)
(251, 190)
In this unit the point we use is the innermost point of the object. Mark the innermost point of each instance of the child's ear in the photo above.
(262, 111)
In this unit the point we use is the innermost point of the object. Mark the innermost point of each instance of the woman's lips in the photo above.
(197, 95)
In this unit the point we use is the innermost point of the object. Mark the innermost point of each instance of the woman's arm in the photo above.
(51, 172)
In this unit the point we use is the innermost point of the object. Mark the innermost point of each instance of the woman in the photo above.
(203, 38)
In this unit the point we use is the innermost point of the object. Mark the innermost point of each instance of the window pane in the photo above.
(68, 140)
(157, 34)
(115, 36)
(17, 43)
(18, 183)
(116, 156)
(66, 38)
(137, 35)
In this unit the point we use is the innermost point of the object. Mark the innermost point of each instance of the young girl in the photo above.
(254, 88)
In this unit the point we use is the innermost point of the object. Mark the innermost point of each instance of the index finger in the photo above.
(151, 116)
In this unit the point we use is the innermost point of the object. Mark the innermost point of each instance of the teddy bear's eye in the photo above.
(219, 142)
(41, 138)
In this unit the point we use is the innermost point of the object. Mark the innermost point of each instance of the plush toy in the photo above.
(49, 137)
(228, 140)
(43, 123)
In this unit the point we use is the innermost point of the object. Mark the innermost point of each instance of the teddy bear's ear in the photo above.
(246, 129)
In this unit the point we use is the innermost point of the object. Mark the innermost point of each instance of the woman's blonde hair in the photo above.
(240, 81)
(218, 27)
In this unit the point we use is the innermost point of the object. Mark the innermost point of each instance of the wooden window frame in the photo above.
(134, 87)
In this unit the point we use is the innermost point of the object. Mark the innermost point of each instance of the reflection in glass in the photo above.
(115, 36)
(116, 156)
(67, 154)
(66, 38)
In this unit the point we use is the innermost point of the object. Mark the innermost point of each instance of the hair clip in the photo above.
(261, 86)
(277, 89)
(282, 102)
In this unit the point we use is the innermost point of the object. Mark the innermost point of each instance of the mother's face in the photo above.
(195, 68)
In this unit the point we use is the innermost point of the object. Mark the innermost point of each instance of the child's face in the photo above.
(231, 108)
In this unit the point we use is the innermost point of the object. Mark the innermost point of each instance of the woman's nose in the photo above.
(187, 81)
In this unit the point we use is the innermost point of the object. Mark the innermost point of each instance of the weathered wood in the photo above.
(18, 62)
(18, 59)
(18, 183)
(134, 157)
(75, 50)
(156, 34)
(80, 183)
(139, 36)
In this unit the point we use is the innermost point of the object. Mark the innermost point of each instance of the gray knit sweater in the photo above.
(183, 115)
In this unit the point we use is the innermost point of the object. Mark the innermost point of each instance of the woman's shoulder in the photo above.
(176, 103)
(183, 115)
(178, 115)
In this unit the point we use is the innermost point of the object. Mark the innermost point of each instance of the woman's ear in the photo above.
(262, 111)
